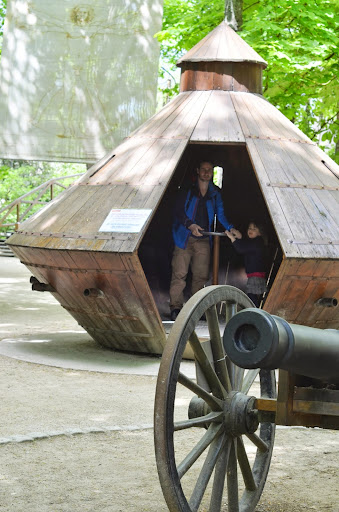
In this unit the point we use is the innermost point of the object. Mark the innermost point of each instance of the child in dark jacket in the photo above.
(253, 250)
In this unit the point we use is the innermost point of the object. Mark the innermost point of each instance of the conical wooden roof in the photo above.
(222, 44)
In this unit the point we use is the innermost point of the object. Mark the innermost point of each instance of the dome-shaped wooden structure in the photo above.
(270, 168)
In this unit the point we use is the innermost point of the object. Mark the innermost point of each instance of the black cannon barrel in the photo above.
(255, 339)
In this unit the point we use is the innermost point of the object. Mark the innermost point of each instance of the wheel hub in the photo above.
(240, 415)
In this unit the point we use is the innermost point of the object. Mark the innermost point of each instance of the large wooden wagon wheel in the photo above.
(213, 449)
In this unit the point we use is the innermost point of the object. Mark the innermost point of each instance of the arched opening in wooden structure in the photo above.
(243, 201)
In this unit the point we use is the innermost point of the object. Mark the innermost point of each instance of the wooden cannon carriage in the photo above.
(214, 426)
(103, 247)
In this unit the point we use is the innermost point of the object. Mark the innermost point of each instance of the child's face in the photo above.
(253, 231)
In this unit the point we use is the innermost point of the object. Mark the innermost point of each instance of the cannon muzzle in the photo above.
(255, 339)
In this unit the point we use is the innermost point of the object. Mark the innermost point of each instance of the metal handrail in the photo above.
(40, 191)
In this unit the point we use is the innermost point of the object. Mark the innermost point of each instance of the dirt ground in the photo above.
(75, 440)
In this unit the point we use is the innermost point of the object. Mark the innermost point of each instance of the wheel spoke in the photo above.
(245, 466)
(219, 477)
(211, 377)
(231, 309)
(231, 371)
(214, 403)
(206, 472)
(238, 377)
(259, 443)
(212, 417)
(212, 432)
(217, 347)
(249, 380)
(232, 479)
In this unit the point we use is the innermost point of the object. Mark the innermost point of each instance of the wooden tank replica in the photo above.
(114, 278)
(103, 249)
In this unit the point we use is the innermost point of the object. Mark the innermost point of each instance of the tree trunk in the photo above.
(233, 13)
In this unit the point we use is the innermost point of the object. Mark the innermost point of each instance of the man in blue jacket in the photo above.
(194, 213)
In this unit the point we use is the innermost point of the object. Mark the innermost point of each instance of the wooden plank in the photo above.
(309, 160)
(218, 73)
(90, 217)
(26, 240)
(80, 244)
(293, 301)
(285, 398)
(327, 224)
(124, 161)
(323, 394)
(247, 77)
(116, 312)
(304, 313)
(56, 212)
(82, 214)
(187, 79)
(227, 77)
(313, 407)
(311, 312)
(304, 268)
(308, 163)
(101, 261)
(159, 129)
(206, 48)
(203, 78)
(184, 124)
(218, 121)
(161, 118)
(266, 404)
(277, 125)
(146, 164)
(302, 222)
(279, 298)
(278, 216)
(278, 289)
(150, 315)
(299, 185)
(97, 166)
(243, 104)
(279, 165)
(54, 221)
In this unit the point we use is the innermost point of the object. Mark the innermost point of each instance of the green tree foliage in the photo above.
(298, 39)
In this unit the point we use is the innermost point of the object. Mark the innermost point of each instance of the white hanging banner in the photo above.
(75, 79)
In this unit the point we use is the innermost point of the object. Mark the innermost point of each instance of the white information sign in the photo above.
(125, 220)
